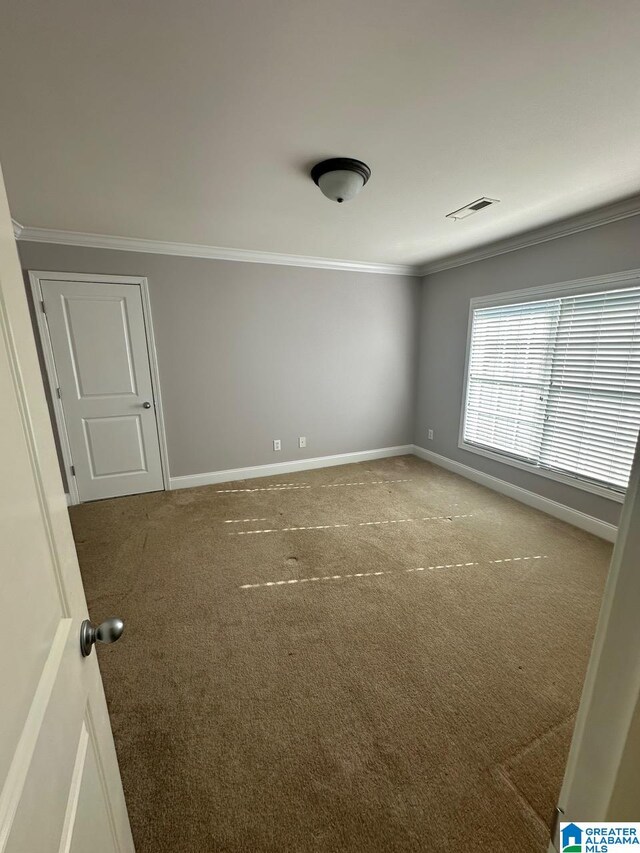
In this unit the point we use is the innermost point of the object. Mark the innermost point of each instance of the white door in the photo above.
(99, 343)
(60, 788)
(600, 783)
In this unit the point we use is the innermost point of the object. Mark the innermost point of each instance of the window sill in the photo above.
(577, 483)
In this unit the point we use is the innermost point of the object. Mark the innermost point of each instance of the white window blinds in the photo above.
(555, 383)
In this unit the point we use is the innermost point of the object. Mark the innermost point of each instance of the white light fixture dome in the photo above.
(340, 178)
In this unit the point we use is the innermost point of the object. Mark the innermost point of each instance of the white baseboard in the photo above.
(277, 468)
(557, 510)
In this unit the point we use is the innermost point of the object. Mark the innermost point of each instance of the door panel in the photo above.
(115, 445)
(99, 344)
(60, 706)
(98, 331)
(91, 826)
(51, 697)
(23, 544)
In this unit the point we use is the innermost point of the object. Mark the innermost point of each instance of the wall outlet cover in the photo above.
(302, 441)
(431, 434)
(277, 444)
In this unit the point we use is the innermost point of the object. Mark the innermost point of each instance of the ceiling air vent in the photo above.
(472, 208)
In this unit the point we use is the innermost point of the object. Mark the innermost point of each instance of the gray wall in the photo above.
(443, 335)
(251, 352)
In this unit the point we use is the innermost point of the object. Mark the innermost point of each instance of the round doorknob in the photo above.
(106, 632)
(146, 405)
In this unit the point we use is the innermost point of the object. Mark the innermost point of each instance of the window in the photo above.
(553, 384)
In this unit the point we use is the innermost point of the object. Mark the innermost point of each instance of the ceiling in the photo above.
(198, 121)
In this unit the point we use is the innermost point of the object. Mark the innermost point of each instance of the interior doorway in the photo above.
(97, 343)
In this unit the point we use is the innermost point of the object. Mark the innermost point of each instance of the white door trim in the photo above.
(611, 692)
(36, 277)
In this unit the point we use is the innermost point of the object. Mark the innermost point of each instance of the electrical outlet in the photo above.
(430, 434)
(277, 444)
(302, 441)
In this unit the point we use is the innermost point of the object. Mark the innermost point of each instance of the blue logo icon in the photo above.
(571, 838)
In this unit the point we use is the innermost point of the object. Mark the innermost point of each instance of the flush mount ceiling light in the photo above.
(340, 178)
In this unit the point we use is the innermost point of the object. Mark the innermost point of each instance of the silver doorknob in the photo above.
(106, 632)
(146, 405)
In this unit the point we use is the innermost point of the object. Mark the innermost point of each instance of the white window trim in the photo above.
(628, 278)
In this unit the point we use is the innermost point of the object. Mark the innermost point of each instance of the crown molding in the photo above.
(622, 209)
(194, 250)
(563, 228)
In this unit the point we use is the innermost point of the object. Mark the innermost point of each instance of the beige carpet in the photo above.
(376, 657)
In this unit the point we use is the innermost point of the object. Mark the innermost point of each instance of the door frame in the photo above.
(36, 277)
(611, 691)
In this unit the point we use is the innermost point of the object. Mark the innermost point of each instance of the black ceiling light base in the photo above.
(340, 178)
(336, 164)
